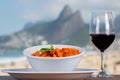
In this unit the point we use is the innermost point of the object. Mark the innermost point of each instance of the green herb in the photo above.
(51, 47)
(47, 49)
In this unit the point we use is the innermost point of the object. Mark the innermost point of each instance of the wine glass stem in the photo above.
(102, 61)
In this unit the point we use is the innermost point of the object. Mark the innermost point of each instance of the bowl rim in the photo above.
(30, 56)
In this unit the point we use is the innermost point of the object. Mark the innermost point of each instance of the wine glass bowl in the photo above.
(102, 33)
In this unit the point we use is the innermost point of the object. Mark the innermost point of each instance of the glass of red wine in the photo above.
(102, 34)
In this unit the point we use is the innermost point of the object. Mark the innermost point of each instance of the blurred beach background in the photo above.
(26, 23)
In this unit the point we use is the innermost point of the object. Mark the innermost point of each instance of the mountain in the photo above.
(66, 12)
(117, 23)
(68, 28)
(61, 28)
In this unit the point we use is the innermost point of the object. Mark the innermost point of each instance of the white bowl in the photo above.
(53, 64)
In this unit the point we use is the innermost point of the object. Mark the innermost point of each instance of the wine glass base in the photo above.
(101, 74)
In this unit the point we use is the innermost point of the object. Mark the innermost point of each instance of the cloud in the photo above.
(100, 4)
(42, 9)
(31, 16)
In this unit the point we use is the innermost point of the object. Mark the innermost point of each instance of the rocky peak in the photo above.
(77, 18)
(70, 22)
(66, 12)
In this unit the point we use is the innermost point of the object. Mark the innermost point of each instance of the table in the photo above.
(116, 77)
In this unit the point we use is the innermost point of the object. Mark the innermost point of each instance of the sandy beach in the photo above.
(112, 63)
(22, 64)
(111, 60)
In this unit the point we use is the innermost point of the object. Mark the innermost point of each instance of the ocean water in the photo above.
(10, 56)
(12, 53)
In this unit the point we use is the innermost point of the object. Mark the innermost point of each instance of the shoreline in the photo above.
(9, 60)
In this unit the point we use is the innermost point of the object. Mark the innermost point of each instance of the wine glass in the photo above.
(102, 34)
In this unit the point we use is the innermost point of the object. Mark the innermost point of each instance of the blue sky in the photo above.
(14, 14)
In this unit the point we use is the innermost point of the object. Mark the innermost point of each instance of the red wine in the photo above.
(102, 41)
